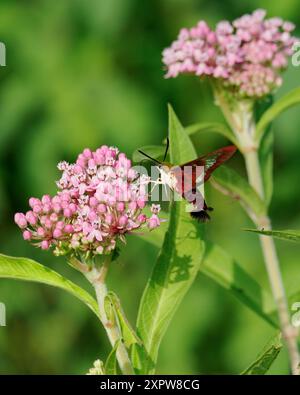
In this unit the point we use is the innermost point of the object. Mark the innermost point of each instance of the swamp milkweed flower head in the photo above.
(100, 199)
(245, 56)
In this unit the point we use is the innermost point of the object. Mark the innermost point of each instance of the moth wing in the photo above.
(212, 160)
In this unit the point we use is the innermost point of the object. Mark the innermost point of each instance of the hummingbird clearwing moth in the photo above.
(185, 179)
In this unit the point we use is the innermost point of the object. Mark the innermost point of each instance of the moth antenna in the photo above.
(149, 157)
(167, 149)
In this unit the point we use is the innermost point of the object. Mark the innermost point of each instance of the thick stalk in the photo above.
(97, 279)
(289, 333)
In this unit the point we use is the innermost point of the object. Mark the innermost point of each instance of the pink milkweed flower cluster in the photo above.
(245, 56)
(100, 199)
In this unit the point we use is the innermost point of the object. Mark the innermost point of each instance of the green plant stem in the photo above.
(289, 333)
(97, 278)
(253, 171)
(239, 115)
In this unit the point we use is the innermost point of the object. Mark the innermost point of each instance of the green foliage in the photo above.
(219, 266)
(128, 334)
(289, 100)
(155, 151)
(178, 262)
(199, 128)
(111, 367)
(225, 271)
(235, 186)
(265, 359)
(266, 161)
(29, 270)
(290, 235)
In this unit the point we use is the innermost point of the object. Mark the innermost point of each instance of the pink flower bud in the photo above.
(120, 207)
(48, 223)
(53, 217)
(37, 208)
(46, 208)
(69, 228)
(45, 244)
(27, 235)
(67, 213)
(101, 208)
(20, 220)
(141, 203)
(57, 233)
(142, 218)
(31, 217)
(93, 201)
(33, 201)
(56, 200)
(73, 207)
(123, 220)
(92, 215)
(87, 153)
(60, 225)
(46, 199)
(56, 208)
(80, 162)
(41, 232)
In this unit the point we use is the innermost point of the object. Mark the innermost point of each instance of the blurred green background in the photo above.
(85, 73)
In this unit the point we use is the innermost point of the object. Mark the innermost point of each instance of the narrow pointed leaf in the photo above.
(214, 127)
(287, 101)
(265, 153)
(111, 362)
(290, 235)
(29, 270)
(265, 148)
(181, 148)
(128, 333)
(265, 359)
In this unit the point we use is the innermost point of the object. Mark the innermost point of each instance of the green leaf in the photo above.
(155, 151)
(141, 360)
(109, 310)
(178, 262)
(266, 147)
(231, 183)
(111, 362)
(128, 333)
(293, 299)
(290, 235)
(219, 266)
(181, 147)
(212, 127)
(29, 270)
(266, 163)
(289, 100)
(265, 359)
